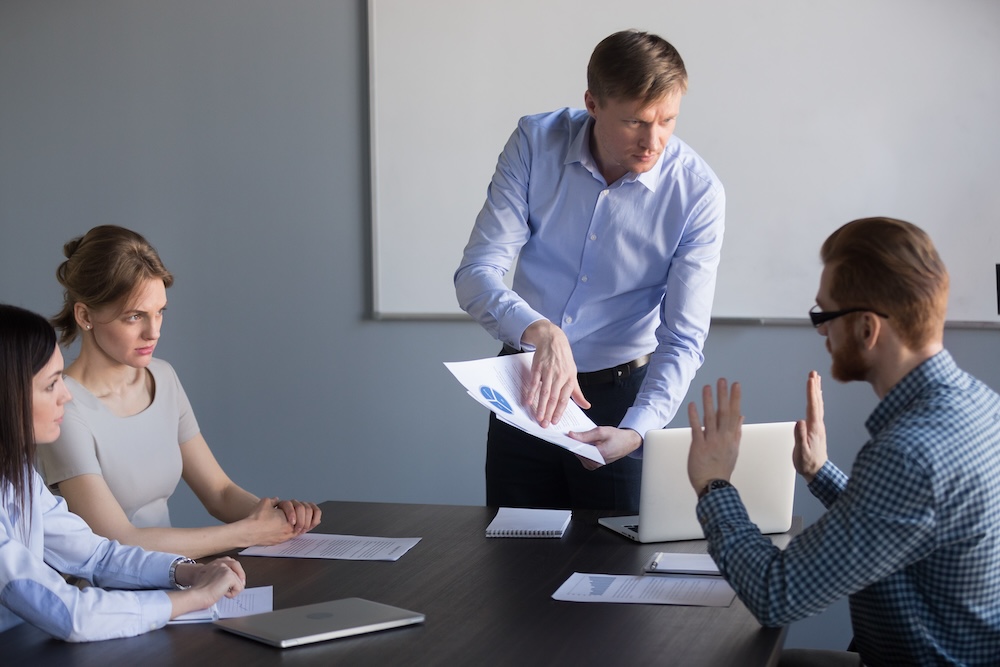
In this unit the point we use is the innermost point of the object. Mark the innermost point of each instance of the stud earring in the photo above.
(89, 327)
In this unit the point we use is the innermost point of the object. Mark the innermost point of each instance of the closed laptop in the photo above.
(319, 622)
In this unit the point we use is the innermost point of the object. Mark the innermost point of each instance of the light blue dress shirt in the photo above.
(625, 269)
(35, 549)
(913, 537)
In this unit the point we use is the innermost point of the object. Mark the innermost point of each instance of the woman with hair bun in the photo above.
(40, 539)
(131, 435)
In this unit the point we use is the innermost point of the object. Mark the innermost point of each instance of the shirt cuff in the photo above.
(164, 561)
(828, 483)
(720, 511)
(513, 330)
(639, 420)
(156, 609)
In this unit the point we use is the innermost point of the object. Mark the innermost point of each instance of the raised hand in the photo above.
(809, 454)
(715, 446)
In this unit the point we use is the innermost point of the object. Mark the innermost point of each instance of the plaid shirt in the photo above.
(913, 537)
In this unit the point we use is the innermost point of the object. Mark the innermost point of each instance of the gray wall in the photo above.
(233, 134)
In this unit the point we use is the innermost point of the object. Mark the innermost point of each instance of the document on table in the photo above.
(498, 384)
(251, 601)
(690, 591)
(337, 547)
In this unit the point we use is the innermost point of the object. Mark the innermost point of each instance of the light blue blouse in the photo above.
(35, 548)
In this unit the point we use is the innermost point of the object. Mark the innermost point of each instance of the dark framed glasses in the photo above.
(819, 317)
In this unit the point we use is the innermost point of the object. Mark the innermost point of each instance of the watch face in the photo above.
(715, 484)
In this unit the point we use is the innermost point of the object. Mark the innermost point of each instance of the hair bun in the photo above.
(70, 247)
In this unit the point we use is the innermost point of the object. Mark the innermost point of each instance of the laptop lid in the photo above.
(319, 622)
(764, 476)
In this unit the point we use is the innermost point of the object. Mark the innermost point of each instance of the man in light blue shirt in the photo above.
(616, 226)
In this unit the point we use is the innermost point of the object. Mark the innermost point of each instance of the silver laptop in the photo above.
(764, 476)
(319, 622)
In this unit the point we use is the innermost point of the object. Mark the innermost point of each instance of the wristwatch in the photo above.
(172, 575)
(712, 486)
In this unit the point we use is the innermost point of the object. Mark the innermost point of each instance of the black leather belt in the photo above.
(609, 375)
(603, 376)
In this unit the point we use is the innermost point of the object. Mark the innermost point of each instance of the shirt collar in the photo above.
(651, 178)
(579, 147)
(939, 368)
(579, 151)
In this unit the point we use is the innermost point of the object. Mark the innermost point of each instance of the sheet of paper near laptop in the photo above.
(764, 476)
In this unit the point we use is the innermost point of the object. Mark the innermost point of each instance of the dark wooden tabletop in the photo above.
(487, 602)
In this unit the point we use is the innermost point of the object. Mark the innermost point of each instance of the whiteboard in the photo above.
(811, 113)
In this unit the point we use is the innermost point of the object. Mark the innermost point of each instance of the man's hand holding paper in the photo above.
(499, 384)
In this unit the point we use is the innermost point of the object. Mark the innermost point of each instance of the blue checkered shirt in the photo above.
(913, 537)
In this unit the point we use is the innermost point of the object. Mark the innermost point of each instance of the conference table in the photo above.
(487, 601)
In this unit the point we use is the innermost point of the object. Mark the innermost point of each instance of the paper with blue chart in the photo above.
(498, 383)
(630, 589)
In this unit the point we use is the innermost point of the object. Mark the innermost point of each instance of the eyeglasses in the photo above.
(819, 317)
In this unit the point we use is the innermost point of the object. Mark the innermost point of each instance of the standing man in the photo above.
(913, 536)
(616, 226)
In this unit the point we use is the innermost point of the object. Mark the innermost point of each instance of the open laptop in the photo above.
(764, 476)
(319, 622)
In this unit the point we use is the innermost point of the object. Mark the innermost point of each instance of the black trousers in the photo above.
(523, 471)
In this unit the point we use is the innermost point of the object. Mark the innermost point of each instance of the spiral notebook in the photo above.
(528, 522)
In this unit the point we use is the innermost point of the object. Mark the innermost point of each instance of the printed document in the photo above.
(690, 591)
(337, 547)
(255, 600)
(498, 383)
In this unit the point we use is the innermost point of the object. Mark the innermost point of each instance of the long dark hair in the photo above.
(27, 342)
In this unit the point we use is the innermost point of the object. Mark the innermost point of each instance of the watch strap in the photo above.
(172, 574)
(712, 486)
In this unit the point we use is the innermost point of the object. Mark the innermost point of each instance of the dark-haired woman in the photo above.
(40, 538)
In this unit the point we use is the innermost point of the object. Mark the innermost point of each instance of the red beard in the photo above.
(848, 363)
